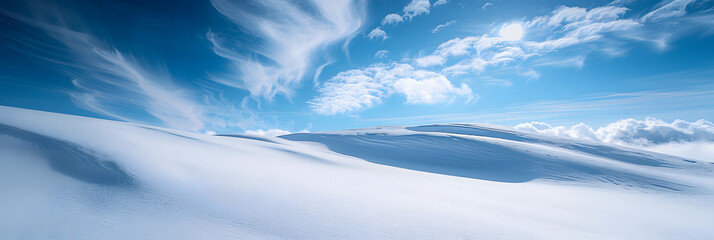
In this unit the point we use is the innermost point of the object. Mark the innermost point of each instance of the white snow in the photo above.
(69, 177)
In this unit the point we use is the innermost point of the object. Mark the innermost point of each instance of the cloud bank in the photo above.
(650, 131)
(675, 138)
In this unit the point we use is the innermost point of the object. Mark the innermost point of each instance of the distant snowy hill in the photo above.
(70, 177)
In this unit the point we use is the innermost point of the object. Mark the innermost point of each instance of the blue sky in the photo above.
(232, 66)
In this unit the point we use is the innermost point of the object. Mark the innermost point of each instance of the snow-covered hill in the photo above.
(69, 177)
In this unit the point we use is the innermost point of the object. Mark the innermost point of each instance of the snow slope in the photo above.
(69, 177)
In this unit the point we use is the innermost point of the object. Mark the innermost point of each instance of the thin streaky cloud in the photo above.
(440, 2)
(668, 9)
(381, 54)
(291, 36)
(440, 26)
(109, 82)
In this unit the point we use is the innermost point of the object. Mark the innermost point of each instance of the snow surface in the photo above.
(70, 177)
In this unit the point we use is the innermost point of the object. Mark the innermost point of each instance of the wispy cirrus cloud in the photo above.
(290, 34)
(440, 2)
(674, 8)
(113, 83)
(576, 61)
(108, 81)
(381, 54)
(440, 26)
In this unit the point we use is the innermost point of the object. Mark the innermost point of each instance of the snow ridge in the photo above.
(70, 177)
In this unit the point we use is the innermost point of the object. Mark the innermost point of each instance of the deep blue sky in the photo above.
(231, 66)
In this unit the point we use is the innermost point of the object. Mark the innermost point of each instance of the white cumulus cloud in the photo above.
(430, 89)
(682, 138)
(650, 131)
(669, 137)
(360, 89)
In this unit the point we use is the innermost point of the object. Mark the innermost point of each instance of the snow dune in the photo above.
(69, 177)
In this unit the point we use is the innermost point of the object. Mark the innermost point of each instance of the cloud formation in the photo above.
(693, 140)
(359, 89)
(412, 9)
(108, 81)
(381, 54)
(291, 35)
(440, 26)
(565, 27)
(377, 33)
(416, 8)
(112, 83)
(392, 19)
(577, 25)
(440, 2)
(267, 133)
(674, 8)
(650, 131)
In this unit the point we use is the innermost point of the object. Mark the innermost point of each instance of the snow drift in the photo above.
(69, 177)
